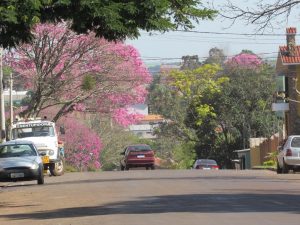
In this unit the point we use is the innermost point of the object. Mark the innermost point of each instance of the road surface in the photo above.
(156, 197)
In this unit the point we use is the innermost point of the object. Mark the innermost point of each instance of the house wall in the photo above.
(255, 151)
(298, 88)
(139, 108)
(255, 157)
(293, 116)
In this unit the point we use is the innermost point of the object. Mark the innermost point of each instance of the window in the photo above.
(17, 151)
(295, 142)
(139, 148)
(33, 132)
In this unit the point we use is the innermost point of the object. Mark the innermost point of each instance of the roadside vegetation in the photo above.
(215, 108)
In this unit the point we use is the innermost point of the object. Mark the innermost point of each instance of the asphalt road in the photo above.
(159, 197)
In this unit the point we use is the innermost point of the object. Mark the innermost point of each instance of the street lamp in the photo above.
(2, 109)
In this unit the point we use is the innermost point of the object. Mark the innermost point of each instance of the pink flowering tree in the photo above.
(79, 73)
(81, 151)
(245, 60)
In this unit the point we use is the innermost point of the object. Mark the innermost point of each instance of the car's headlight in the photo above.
(34, 166)
(51, 152)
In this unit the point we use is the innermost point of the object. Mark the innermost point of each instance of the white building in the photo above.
(146, 126)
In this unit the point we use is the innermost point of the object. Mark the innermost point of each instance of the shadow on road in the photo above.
(195, 203)
(196, 178)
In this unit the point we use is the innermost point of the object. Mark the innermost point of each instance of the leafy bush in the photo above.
(272, 159)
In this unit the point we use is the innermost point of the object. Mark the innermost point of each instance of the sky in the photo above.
(171, 46)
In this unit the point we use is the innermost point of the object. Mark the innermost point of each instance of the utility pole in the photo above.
(11, 104)
(2, 109)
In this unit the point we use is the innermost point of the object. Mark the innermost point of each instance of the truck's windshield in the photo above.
(33, 132)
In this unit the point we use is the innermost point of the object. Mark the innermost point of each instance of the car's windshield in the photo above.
(206, 162)
(43, 131)
(139, 148)
(295, 142)
(18, 150)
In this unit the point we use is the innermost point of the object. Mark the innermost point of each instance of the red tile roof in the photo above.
(286, 59)
(152, 117)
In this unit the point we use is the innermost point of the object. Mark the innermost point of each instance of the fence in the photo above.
(261, 147)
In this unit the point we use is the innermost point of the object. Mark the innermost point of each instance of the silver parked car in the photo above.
(288, 157)
(20, 160)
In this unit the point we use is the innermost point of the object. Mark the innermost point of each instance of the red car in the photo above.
(139, 155)
(206, 164)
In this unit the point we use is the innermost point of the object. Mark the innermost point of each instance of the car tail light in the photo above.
(150, 153)
(215, 167)
(288, 152)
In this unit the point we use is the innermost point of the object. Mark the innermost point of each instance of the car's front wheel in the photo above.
(40, 179)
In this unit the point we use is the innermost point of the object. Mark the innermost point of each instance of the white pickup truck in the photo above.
(44, 135)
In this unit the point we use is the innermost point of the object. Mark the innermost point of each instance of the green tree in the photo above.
(215, 113)
(250, 95)
(196, 85)
(242, 110)
(113, 20)
(216, 56)
(179, 101)
(184, 155)
(165, 100)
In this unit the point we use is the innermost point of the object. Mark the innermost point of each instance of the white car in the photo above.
(288, 157)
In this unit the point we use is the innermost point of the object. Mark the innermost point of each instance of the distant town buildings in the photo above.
(16, 95)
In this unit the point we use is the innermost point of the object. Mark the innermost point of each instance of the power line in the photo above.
(224, 37)
(157, 58)
(222, 42)
(230, 33)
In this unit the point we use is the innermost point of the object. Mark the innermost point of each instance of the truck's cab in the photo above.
(44, 135)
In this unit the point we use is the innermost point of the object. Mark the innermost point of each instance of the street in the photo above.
(158, 197)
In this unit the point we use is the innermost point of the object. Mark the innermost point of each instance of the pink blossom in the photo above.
(81, 150)
(125, 118)
(59, 59)
(245, 60)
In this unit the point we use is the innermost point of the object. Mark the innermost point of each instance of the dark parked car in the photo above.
(205, 164)
(19, 160)
(139, 155)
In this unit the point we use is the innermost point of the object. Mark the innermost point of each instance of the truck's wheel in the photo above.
(57, 169)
